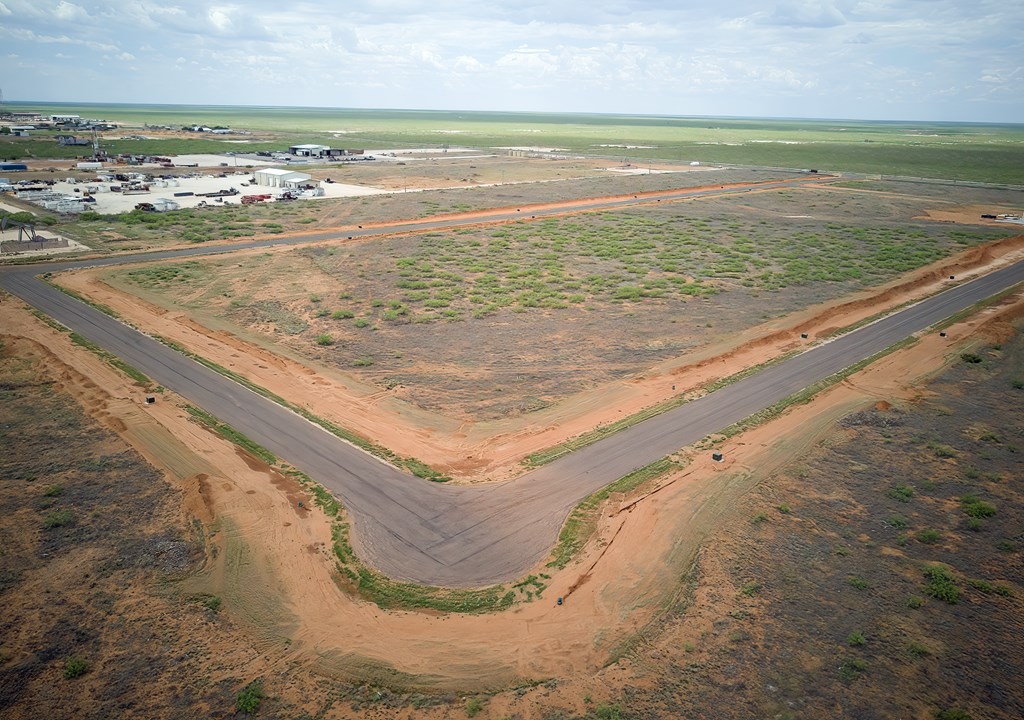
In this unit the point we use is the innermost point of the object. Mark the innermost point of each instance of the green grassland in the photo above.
(624, 256)
(974, 152)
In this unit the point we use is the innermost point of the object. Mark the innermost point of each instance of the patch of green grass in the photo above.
(229, 433)
(608, 712)
(583, 519)
(474, 706)
(58, 518)
(75, 666)
(54, 491)
(914, 602)
(750, 589)
(918, 650)
(982, 586)
(210, 602)
(941, 584)
(111, 359)
(851, 668)
(896, 521)
(976, 508)
(856, 639)
(928, 536)
(971, 358)
(903, 493)
(324, 339)
(859, 582)
(249, 698)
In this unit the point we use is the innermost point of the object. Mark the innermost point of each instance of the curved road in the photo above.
(470, 536)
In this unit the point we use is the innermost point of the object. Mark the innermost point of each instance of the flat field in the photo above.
(985, 153)
(491, 322)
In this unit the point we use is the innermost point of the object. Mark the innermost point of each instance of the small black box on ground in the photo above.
(717, 457)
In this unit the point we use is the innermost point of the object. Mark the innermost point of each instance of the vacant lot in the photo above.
(879, 577)
(93, 540)
(497, 321)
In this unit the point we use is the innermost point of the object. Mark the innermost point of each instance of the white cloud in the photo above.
(940, 58)
(69, 11)
(806, 14)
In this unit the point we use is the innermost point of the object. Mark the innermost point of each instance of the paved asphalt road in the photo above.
(470, 536)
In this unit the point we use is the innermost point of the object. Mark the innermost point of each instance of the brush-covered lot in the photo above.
(496, 321)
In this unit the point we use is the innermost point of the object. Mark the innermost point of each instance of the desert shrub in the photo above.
(249, 698)
(473, 707)
(977, 508)
(75, 666)
(851, 668)
(60, 518)
(903, 493)
(608, 712)
(324, 339)
(896, 521)
(941, 584)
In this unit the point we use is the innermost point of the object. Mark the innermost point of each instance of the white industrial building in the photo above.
(310, 150)
(279, 177)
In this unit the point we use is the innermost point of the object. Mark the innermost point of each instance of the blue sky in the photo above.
(870, 59)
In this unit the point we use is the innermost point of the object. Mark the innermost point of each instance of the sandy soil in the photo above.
(969, 214)
(267, 541)
(494, 449)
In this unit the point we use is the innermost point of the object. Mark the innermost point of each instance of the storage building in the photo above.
(309, 150)
(279, 177)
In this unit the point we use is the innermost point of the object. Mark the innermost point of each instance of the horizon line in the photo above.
(513, 112)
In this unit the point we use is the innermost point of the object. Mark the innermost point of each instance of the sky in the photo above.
(939, 60)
